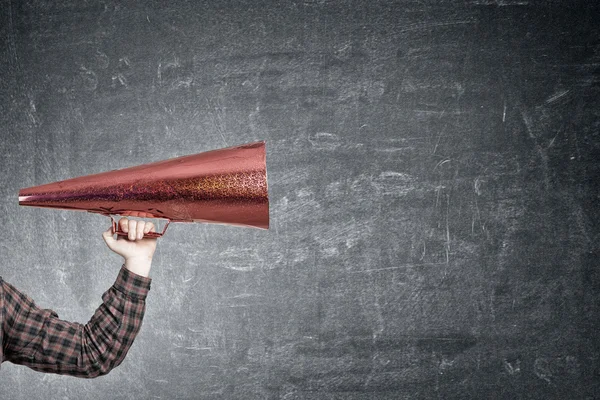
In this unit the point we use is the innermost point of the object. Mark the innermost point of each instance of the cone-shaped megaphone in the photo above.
(226, 186)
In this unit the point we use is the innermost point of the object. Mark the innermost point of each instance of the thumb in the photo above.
(110, 241)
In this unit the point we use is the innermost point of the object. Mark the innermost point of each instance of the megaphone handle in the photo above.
(153, 235)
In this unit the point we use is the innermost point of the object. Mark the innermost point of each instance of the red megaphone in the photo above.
(226, 186)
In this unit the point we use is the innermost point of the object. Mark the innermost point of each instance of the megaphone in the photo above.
(224, 186)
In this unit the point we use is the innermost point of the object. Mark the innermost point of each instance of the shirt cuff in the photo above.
(132, 284)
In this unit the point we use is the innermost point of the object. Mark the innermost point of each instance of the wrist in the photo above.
(139, 265)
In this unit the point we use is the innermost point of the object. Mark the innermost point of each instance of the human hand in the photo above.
(135, 249)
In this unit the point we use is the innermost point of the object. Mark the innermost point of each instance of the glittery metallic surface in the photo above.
(226, 186)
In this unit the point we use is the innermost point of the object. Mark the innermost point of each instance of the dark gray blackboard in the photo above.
(433, 179)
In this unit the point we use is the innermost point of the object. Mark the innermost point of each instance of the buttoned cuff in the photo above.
(132, 284)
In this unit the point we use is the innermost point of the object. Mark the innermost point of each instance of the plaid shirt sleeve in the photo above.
(38, 339)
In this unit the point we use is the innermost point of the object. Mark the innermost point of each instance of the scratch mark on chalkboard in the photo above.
(439, 138)
(324, 140)
(478, 215)
(186, 280)
(121, 78)
(403, 266)
(244, 305)
(186, 83)
(393, 182)
(239, 259)
(500, 3)
(32, 113)
(331, 252)
(102, 60)
(438, 113)
(319, 2)
(303, 205)
(244, 296)
(447, 230)
(395, 149)
(445, 363)
(580, 219)
(338, 233)
(557, 96)
(430, 25)
(477, 186)
(164, 68)
(513, 367)
(11, 37)
(249, 259)
(440, 164)
(492, 306)
(124, 60)
(299, 255)
(438, 191)
(543, 156)
(89, 78)
(218, 117)
(292, 175)
(504, 112)
(195, 348)
(541, 368)
(553, 140)
(380, 327)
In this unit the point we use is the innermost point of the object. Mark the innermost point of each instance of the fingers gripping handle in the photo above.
(117, 230)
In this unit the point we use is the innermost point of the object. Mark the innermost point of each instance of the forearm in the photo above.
(139, 265)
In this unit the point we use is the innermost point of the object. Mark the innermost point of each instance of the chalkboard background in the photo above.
(433, 181)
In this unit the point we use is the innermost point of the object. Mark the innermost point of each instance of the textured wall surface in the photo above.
(433, 178)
